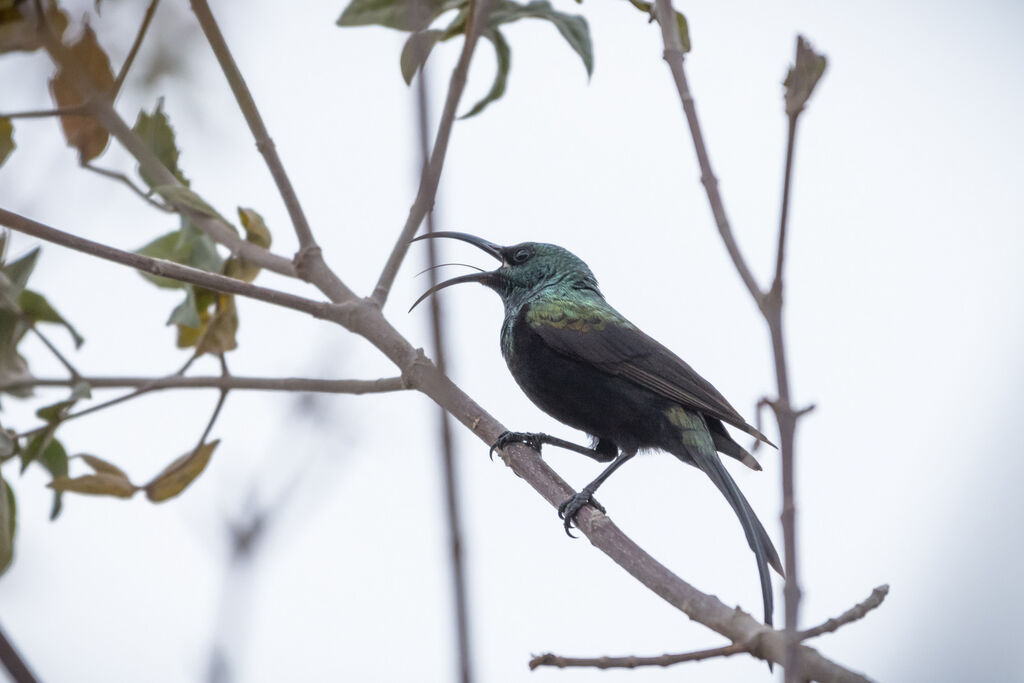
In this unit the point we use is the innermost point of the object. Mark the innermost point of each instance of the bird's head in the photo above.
(526, 268)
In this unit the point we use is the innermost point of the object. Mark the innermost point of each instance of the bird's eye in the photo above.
(521, 256)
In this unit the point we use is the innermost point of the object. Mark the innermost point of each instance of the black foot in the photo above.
(532, 440)
(569, 509)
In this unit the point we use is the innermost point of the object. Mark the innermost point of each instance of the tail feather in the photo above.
(698, 446)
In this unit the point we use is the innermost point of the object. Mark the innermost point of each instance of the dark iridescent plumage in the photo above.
(583, 363)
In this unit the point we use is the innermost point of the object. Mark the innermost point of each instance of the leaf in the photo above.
(50, 453)
(8, 445)
(803, 76)
(101, 466)
(18, 272)
(180, 473)
(8, 523)
(188, 246)
(56, 412)
(13, 368)
(6, 139)
(572, 27)
(416, 50)
(156, 133)
(256, 230)
(36, 308)
(186, 314)
(84, 133)
(504, 60)
(395, 13)
(96, 484)
(219, 333)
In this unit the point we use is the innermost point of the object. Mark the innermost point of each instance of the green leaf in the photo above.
(186, 313)
(13, 367)
(8, 445)
(6, 139)
(50, 453)
(572, 27)
(504, 60)
(416, 50)
(156, 133)
(188, 246)
(36, 308)
(8, 523)
(18, 272)
(180, 473)
(395, 13)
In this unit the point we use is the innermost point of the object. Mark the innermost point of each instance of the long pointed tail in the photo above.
(698, 448)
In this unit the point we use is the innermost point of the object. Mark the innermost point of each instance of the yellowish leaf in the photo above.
(180, 473)
(101, 466)
(219, 334)
(105, 484)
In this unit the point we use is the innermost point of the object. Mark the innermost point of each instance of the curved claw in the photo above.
(568, 510)
(530, 439)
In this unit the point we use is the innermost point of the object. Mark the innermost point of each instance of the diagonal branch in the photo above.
(674, 57)
(858, 611)
(136, 44)
(479, 12)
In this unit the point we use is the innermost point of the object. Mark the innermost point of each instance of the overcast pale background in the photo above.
(904, 316)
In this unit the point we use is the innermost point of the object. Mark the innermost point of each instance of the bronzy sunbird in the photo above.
(580, 361)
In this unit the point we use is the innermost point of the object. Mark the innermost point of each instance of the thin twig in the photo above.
(288, 384)
(247, 104)
(633, 662)
(13, 662)
(858, 611)
(72, 110)
(136, 44)
(225, 374)
(479, 11)
(122, 178)
(75, 376)
(450, 483)
(674, 56)
(174, 271)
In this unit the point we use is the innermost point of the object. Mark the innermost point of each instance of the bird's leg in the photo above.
(567, 510)
(604, 452)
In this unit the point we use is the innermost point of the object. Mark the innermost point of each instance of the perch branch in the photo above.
(858, 611)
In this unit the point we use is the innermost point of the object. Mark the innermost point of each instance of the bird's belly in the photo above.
(586, 398)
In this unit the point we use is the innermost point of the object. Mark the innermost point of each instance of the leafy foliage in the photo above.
(397, 14)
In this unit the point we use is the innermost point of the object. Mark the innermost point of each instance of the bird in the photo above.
(582, 362)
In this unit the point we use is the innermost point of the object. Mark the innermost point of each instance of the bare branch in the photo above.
(634, 662)
(73, 110)
(13, 662)
(450, 483)
(247, 104)
(288, 384)
(858, 611)
(75, 377)
(674, 56)
(479, 12)
(175, 271)
(122, 178)
(136, 44)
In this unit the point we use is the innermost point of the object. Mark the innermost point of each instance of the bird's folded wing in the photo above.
(603, 338)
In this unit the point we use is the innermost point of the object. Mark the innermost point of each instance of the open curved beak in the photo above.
(488, 278)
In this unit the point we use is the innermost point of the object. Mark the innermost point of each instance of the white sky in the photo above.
(903, 313)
